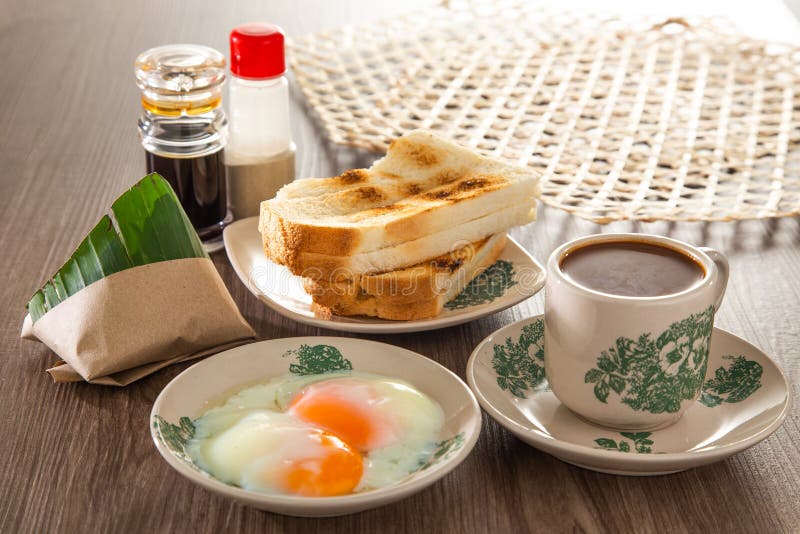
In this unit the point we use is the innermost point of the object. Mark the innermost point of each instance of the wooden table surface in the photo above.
(78, 458)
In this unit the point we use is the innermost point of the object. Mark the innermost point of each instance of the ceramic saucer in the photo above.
(514, 277)
(745, 399)
(193, 391)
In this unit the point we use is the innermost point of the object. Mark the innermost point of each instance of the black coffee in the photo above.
(631, 268)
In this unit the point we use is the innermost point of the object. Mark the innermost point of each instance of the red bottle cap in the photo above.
(257, 51)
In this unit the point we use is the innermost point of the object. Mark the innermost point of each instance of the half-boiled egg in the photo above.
(318, 435)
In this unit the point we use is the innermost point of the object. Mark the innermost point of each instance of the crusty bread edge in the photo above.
(283, 240)
(393, 309)
(425, 284)
(327, 267)
(424, 309)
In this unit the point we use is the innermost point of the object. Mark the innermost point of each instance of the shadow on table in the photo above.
(717, 497)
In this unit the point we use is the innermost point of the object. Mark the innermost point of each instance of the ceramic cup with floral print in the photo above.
(631, 351)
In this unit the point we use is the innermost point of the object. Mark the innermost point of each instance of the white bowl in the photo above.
(189, 395)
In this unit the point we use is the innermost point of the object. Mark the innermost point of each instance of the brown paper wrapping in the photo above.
(137, 321)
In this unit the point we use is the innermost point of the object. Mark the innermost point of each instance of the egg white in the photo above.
(241, 440)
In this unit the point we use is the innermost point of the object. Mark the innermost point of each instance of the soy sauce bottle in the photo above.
(183, 130)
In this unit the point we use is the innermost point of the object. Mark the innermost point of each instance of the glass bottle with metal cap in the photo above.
(183, 130)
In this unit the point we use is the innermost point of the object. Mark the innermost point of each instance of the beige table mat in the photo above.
(625, 119)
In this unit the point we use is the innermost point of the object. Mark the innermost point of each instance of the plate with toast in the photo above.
(416, 242)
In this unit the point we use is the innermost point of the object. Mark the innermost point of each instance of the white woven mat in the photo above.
(646, 119)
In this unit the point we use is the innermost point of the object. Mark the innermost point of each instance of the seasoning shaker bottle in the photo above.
(260, 155)
(183, 130)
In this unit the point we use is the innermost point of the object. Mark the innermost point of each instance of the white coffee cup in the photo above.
(630, 362)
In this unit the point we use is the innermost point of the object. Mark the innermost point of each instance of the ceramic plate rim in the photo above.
(365, 500)
(397, 327)
(555, 446)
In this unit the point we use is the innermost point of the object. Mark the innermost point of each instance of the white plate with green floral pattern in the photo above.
(514, 277)
(204, 384)
(745, 398)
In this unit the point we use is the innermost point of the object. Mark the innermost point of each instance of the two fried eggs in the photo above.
(318, 435)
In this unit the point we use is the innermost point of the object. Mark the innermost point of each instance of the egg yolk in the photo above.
(336, 472)
(350, 420)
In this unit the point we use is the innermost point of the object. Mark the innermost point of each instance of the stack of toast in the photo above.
(402, 238)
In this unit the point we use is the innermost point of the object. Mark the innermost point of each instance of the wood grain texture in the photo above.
(79, 457)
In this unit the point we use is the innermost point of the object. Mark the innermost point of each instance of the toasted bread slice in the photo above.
(423, 186)
(423, 309)
(417, 292)
(424, 281)
(326, 268)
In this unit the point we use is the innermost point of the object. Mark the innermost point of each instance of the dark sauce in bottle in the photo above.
(183, 130)
(200, 185)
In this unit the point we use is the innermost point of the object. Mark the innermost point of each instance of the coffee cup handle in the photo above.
(724, 270)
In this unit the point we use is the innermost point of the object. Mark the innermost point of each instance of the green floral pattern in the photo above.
(520, 364)
(656, 375)
(443, 450)
(734, 384)
(641, 442)
(176, 436)
(318, 359)
(485, 287)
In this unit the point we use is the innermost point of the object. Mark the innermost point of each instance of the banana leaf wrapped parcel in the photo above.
(139, 293)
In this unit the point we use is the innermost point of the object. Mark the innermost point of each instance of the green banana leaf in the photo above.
(151, 226)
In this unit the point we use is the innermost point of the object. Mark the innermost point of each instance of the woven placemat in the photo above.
(648, 119)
